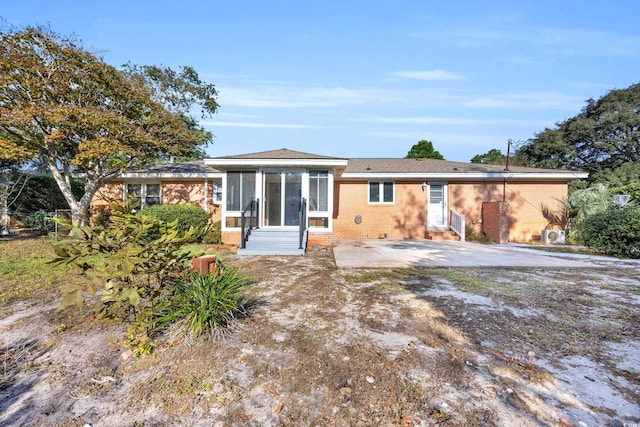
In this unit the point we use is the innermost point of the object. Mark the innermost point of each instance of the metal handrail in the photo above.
(253, 207)
(302, 217)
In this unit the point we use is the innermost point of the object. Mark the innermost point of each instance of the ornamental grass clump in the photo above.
(207, 304)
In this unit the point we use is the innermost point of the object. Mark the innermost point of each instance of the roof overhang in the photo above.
(226, 163)
(170, 175)
(484, 176)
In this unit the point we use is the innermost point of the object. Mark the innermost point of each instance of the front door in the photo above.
(437, 206)
(282, 198)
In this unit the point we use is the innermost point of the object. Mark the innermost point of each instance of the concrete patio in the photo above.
(425, 253)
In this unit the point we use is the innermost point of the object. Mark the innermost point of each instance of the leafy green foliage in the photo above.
(40, 221)
(424, 150)
(136, 261)
(207, 303)
(491, 157)
(213, 235)
(186, 215)
(614, 231)
(582, 204)
(41, 192)
(604, 139)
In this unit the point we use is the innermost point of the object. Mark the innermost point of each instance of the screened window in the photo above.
(146, 194)
(318, 191)
(381, 192)
(241, 189)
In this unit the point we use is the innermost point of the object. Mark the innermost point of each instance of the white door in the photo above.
(437, 206)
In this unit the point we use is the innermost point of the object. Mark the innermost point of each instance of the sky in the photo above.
(368, 78)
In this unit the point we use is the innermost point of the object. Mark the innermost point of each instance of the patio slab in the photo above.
(425, 253)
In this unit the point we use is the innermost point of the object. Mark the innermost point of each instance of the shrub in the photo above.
(136, 262)
(41, 192)
(206, 303)
(186, 215)
(213, 235)
(614, 231)
(41, 221)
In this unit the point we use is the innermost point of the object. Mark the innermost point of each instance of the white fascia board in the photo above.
(276, 162)
(167, 175)
(471, 175)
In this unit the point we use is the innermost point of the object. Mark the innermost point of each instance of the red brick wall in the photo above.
(495, 223)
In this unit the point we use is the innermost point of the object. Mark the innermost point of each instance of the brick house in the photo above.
(321, 198)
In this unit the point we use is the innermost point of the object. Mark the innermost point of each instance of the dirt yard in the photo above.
(349, 347)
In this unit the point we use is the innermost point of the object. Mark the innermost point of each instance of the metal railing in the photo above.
(457, 224)
(249, 221)
(302, 216)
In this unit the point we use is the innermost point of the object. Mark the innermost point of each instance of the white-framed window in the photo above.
(241, 189)
(147, 194)
(217, 192)
(381, 192)
(318, 191)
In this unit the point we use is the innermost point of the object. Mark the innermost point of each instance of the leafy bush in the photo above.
(40, 221)
(41, 192)
(186, 215)
(206, 303)
(213, 236)
(614, 231)
(135, 260)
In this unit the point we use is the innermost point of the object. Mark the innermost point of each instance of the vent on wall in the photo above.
(553, 237)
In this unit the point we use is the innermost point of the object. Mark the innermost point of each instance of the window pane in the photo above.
(135, 191)
(233, 191)
(217, 192)
(323, 193)
(318, 191)
(374, 192)
(388, 192)
(248, 188)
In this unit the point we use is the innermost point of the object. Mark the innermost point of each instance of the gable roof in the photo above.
(276, 158)
(282, 153)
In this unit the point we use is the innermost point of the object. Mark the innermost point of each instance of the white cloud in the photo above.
(303, 97)
(428, 75)
(554, 101)
(454, 121)
(214, 123)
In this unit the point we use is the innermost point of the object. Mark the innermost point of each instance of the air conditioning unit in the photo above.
(553, 237)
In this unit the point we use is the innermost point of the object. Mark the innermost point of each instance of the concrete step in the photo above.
(272, 242)
(442, 235)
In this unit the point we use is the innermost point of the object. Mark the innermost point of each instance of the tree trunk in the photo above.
(79, 208)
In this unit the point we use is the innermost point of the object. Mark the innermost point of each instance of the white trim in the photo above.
(465, 176)
(276, 162)
(444, 206)
(169, 175)
(381, 193)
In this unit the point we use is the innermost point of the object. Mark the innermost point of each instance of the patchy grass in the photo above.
(25, 272)
(446, 347)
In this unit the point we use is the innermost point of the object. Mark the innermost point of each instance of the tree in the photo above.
(64, 104)
(491, 157)
(424, 150)
(12, 183)
(603, 138)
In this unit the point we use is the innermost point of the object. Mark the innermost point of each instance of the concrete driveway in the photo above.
(426, 253)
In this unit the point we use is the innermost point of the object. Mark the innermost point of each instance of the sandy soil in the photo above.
(328, 346)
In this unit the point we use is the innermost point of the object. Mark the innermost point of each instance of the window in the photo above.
(241, 189)
(146, 194)
(318, 191)
(217, 192)
(381, 192)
